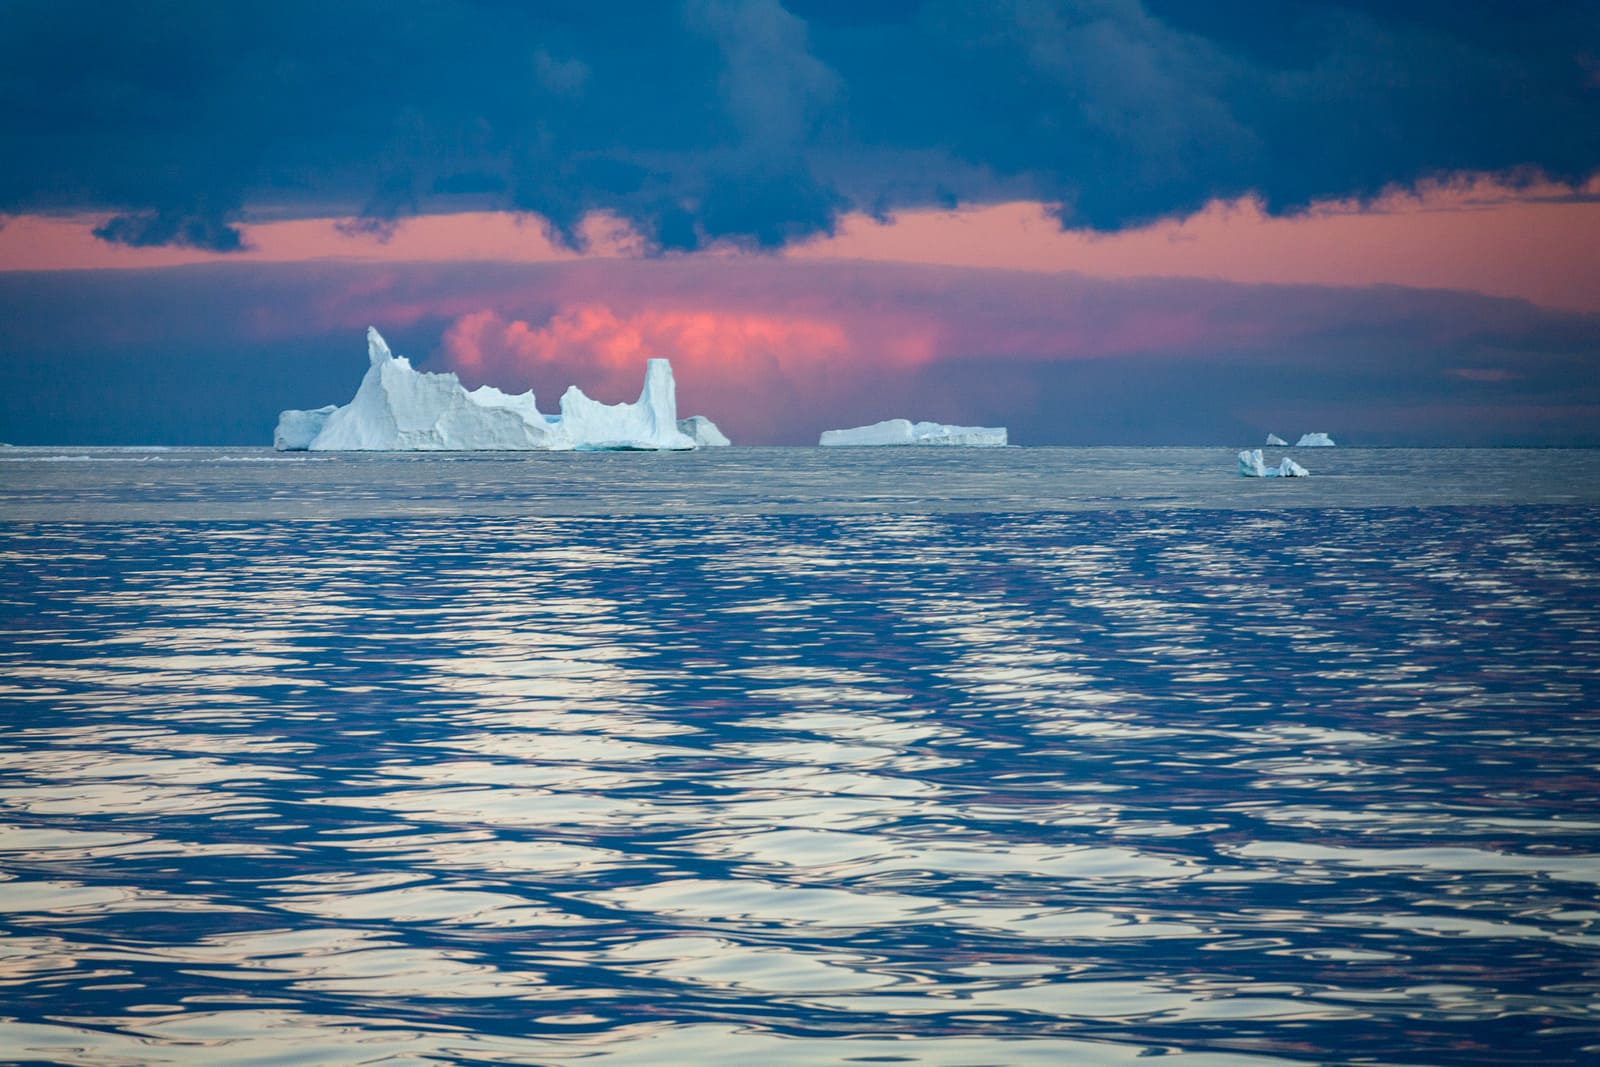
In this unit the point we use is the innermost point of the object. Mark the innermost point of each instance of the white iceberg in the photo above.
(398, 409)
(1274, 440)
(1314, 440)
(1251, 465)
(905, 432)
(703, 432)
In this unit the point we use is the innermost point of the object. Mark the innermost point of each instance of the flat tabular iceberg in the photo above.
(400, 409)
(1314, 440)
(1251, 465)
(905, 432)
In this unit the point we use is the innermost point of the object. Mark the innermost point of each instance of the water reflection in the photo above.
(1305, 786)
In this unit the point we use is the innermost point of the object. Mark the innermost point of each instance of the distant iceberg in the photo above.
(1251, 465)
(1273, 440)
(905, 432)
(1314, 440)
(399, 409)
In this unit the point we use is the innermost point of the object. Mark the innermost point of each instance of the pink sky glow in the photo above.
(1535, 243)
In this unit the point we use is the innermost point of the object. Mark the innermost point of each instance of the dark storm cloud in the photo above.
(757, 121)
(151, 228)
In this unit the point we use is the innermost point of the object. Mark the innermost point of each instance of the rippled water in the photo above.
(1246, 780)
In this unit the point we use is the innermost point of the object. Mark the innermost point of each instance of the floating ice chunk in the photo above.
(398, 408)
(1314, 440)
(1274, 440)
(905, 432)
(1251, 465)
(297, 429)
(703, 431)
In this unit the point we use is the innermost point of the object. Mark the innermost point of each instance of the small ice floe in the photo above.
(1273, 441)
(1314, 440)
(906, 432)
(1251, 465)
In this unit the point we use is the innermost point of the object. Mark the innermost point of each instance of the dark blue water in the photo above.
(1242, 786)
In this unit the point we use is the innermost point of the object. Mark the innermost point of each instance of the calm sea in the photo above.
(1055, 756)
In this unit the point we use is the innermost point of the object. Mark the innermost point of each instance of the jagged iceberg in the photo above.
(398, 409)
(905, 432)
(1314, 440)
(1251, 465)
(1274, 440)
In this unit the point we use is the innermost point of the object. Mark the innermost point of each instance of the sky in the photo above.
(1100, 222)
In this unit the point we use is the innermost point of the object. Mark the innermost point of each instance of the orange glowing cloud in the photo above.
(718, 355)
(597, 336)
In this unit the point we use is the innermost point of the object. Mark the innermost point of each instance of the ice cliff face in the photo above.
(905, 432)
(398, 408)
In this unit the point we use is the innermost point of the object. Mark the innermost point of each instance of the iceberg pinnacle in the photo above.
(398, 408)
(377, 348)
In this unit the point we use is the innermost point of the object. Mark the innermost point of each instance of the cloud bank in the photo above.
(776, 351)
(757, 123)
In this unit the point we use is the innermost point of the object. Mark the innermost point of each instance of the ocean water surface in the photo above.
(793, 756)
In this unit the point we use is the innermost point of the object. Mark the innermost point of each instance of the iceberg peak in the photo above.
(377, 348)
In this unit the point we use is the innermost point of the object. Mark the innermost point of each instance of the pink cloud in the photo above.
(796, 340)
(598, 336)
(1475, 233)
(721, 358)
(777, 349)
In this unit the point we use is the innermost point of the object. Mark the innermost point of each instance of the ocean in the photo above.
(799, 756)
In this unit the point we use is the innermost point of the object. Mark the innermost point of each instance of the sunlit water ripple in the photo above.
(1240, 784)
